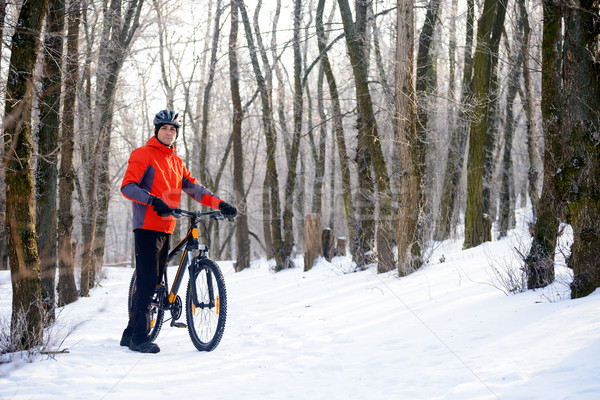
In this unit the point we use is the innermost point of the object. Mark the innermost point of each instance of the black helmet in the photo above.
(165, 117)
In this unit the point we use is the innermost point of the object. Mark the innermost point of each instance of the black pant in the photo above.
(151, 251)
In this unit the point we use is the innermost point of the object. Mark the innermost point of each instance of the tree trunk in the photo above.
(369, 153)
(118, 32)
(46, 176)
(507, 196)
(241, 234)
(3, 247)
(425, 84)
(539, 264)
(26, 321)
(579, 175)
(353, 226)
(458, 137)
(288, 211)
(406, 129)
(203, 161)
(67, 291)
(478, 223)
(272, 223)
(312, 227)
(528, 105)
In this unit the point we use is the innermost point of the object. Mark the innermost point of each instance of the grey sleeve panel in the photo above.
(195, 190)
(136, 193)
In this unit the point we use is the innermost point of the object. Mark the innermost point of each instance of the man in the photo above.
(154, 180)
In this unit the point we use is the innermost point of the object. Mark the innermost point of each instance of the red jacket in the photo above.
(155, 169)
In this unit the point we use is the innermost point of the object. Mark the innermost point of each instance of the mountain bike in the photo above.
(206, 296)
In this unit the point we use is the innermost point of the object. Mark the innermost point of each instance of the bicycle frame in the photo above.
(190, 243)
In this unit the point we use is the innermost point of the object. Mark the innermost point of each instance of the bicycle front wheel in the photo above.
(206, 305)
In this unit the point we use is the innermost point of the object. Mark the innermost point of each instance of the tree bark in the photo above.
(118, 32)
(338, 125)
(458, 137)
(579, 176)
(507, 196)
(369, 153)
(539, 264)
(46, 176)
(478, 223)
(288, 211)
(406, 129)
(272, 223)
(241, 234)
(67, 291)
(3, 247)
(26, 320)
(203, 163)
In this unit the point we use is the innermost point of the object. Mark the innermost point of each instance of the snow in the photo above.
(443, 332)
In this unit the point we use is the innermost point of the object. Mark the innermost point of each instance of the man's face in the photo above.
(167, 134)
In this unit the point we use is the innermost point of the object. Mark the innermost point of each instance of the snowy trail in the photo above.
(440, 333)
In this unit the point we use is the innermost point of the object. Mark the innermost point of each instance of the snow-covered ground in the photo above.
(444, 332)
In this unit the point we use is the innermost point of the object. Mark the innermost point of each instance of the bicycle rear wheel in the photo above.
(206, 305)
(156, 313)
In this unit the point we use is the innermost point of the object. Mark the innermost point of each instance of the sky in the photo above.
(446, 331)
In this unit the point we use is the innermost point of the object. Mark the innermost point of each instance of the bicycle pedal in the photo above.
(179, 325)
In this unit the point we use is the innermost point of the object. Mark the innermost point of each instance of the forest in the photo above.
(398, 123)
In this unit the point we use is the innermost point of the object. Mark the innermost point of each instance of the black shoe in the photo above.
(144, 347)
(125, 340)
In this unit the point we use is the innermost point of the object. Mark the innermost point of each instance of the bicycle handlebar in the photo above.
(217, 215)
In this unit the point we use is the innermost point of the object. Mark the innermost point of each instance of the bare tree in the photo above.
(18, 151)
(242, 239)
(3, 248)
(369, 153)
(290, 185)
(478, 222)
(578, 176)
(406, 120)
(272, 222)
(46, 175)
(338, 127)
(539, 263)
(119, 29)
(67, 291)
(458, 136)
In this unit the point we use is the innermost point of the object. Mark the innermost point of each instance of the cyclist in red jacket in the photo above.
(153, 181)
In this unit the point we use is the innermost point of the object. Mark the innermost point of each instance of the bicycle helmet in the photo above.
(166, 117)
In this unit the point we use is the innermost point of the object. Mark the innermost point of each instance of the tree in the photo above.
(578, 176)
(3, 248)
(67, 291)
(290, 185)
(369, 153)
(406, 129)
(26, 320)
(478, 222)
(517, 58)
(539, 263)
(242, 239)
(458, 136)
(46, 176)
(118, 32)
(272, 223)
(338, 127)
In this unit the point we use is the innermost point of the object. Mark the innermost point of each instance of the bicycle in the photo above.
(206, 296)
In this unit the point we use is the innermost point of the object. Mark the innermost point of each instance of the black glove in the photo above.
(160, 207)
(227, 210)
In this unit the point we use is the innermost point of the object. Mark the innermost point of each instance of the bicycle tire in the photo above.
(156, 314)
(206, 323)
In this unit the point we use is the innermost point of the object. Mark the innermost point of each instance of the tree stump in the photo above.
(340, 247)
(327, 243)
(312, 239)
